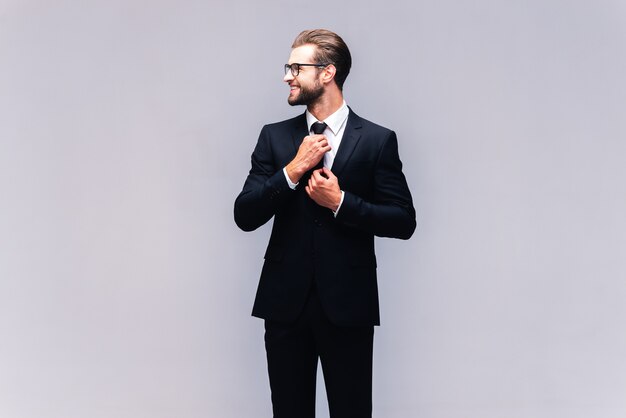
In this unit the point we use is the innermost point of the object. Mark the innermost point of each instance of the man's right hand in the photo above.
(310, 153)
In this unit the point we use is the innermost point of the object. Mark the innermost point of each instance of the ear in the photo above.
(328, 74)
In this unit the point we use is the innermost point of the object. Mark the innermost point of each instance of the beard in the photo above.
(307, 95)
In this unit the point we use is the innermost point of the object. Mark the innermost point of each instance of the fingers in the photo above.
(323, 173)
(315, 143)
(327, 173)
(323, 188)
(323, 147)
(317, 176)
(323, 144)
(312, 184)
(320, 140)
(315, 138)
(319, 179)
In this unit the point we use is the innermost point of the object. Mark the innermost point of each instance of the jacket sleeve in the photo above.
(390, 213)
(265, 188)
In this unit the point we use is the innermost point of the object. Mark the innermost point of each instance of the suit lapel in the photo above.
(349, 141)
(299, 132)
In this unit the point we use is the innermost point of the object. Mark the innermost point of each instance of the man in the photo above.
(332, 181)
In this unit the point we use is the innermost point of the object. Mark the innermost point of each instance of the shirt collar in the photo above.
(334, 121)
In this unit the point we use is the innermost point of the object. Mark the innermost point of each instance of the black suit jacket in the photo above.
(307, 242)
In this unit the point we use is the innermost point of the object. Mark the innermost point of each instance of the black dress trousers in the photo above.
(345, 353)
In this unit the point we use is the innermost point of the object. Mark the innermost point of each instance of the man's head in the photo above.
(328, 63)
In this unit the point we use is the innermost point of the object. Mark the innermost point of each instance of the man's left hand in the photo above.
(323, 188)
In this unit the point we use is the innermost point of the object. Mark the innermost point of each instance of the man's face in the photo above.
(306, 87)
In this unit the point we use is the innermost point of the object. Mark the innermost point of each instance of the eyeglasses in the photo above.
(295, 67)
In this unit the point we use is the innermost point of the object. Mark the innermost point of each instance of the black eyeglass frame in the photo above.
(295, 67)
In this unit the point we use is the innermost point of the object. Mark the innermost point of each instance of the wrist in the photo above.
(338, 201)
(342, 196)
(294, 174)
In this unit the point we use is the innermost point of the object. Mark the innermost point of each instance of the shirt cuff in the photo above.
(340, 202)
(291, 184)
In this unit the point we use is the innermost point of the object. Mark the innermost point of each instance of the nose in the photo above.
(288, 77)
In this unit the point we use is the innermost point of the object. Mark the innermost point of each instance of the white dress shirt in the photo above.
(336, 126)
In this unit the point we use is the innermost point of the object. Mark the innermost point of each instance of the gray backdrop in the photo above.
(125, 134)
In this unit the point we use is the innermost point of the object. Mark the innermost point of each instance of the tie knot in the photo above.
(318, 127)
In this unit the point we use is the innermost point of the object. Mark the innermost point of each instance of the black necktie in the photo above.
(318, 128)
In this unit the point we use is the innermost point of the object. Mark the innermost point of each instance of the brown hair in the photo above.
(330, 49)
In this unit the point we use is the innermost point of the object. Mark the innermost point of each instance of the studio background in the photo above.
(126, 129)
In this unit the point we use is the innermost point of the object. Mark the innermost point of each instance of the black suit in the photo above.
(309, 247)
